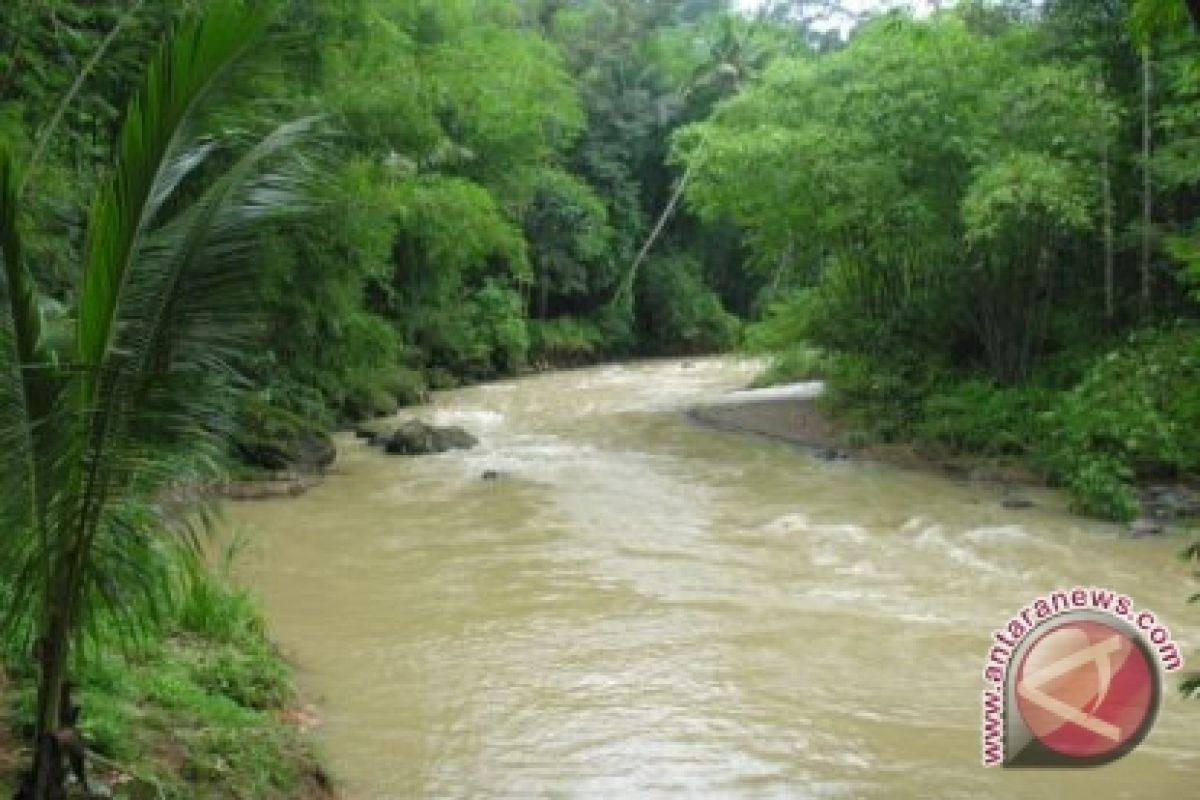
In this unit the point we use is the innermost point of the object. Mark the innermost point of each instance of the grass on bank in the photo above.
(202, 707)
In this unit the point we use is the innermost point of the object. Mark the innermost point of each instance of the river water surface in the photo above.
(640, 607)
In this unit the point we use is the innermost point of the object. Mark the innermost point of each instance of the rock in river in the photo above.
(417, 438)
(1145, 527)
(309, 451)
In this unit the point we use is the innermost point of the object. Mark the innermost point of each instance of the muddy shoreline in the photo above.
(799, 421)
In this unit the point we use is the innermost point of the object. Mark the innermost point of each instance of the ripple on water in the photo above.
(643, 608)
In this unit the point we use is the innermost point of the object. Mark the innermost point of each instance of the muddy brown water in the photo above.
(640, 607)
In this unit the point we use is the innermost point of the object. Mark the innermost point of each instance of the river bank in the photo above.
(204, 706)
(792, 414)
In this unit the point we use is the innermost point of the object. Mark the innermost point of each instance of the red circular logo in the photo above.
(1085, 689)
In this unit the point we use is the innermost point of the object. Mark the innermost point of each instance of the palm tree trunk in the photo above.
(53, 651)
(1147, 180)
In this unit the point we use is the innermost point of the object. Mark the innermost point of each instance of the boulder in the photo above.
(276, 440)
(314, 452)
(1016, 502)
(1169, 503)
(1145, 527)
(376, 431)
(417, 438)
(453, 438)
(308, 451)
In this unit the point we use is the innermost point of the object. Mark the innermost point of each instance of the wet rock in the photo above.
(303, 452)
(1015, 503)
(453, 438)
(274, 440)
(375, 432)
(1169, 503)
(417, 438)
(1145, 527)
(315, 452)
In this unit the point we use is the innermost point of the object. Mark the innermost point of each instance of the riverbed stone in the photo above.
(418, 438)
(304, 452)
(1169, 502)
(375, 431)
(1016, 502)
(1145, 527)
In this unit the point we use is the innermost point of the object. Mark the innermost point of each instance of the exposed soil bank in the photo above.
(791, 414)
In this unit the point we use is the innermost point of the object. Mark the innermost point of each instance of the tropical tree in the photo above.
(123, 394)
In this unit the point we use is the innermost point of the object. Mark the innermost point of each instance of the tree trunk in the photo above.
(1147, 180)
(1193, 7)
(52, 652)
(1109, 237)
(626, 287)
(543, 309)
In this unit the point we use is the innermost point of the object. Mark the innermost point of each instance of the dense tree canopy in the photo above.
(978, 224)
(990, 192)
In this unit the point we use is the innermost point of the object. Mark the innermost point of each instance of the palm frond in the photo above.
(24, 400)
(168, 383)
(20, 291)
(176, 82)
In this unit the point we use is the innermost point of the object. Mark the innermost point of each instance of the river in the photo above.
(640, 607)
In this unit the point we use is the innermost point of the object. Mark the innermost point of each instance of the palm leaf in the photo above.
(175, 84)
(25, 405)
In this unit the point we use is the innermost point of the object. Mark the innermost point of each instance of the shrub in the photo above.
(786, 323)
(796, 363)
(1134, 414)
(679, 312)
(565, 340)
(980, 417)
(880, 400)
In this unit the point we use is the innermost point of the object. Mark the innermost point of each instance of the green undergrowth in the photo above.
(1097, 423)
(202, 706)
(793, 365)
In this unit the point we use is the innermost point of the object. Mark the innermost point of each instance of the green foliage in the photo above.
(565, 341)
(1101, 485)
(498, 316)
(786, 322)
(1007, 198)
(977, 416)
(101, 420)
(206, 689)
(1135, 413)
(679, 312)
(879, 401)
(895, 180)
(797, 363)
